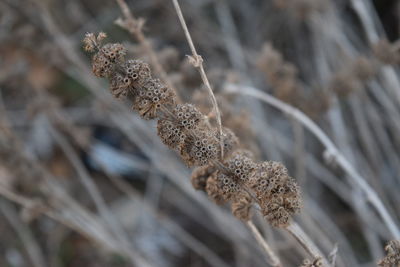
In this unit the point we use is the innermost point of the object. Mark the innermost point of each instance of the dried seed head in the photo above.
(138, 71)
(240, 166)
(213, 191)
(277, 193)
(120, 85)
(151, 97)
(316, 263)
(104, 61)
(227, 185)
(170, 134)
(385, 52)
(91, 42)
(392, 257)
(241, 206)
(200, 175)
(200, 148)
(187, 116)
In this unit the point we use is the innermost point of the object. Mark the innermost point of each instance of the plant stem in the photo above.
(272, 257)
(197, 62)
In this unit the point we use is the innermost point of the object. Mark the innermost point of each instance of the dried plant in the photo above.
(392, 258)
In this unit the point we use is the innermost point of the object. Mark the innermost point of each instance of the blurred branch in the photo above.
(331, 153)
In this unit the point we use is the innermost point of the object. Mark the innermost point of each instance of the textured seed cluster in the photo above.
(200, 148)
(151, 96)
(277, 193)
(104, 61)
(392, 258)
(231, 176)
(184, 119)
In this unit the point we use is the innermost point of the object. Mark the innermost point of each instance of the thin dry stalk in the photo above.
(197, 62)
(272, 257)
(331, 153)
(297, 232)
(28, 240)
(135, 26)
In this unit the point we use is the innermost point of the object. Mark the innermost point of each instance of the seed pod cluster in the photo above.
(392, 257)
(231, 176)
(277, 193)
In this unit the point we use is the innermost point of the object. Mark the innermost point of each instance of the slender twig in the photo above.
(297, 232)
(272, 257)
(25, 234)
(197, 62)
(135, 26)
(331, 153)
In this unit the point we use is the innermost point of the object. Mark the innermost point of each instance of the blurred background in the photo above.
(85, 182)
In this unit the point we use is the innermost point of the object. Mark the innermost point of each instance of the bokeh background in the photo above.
(85, 182)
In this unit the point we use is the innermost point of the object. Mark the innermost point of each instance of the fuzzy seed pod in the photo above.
(214, 192)
(201, 148)
(151, 97)
(392, 258)
(277, 193)
(200, 175)
(241, 206)
(316, 263)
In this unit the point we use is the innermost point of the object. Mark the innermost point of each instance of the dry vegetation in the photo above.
(237, 133)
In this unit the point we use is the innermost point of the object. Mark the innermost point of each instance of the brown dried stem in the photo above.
(273, 258)
(197, 62)
(135, 26)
